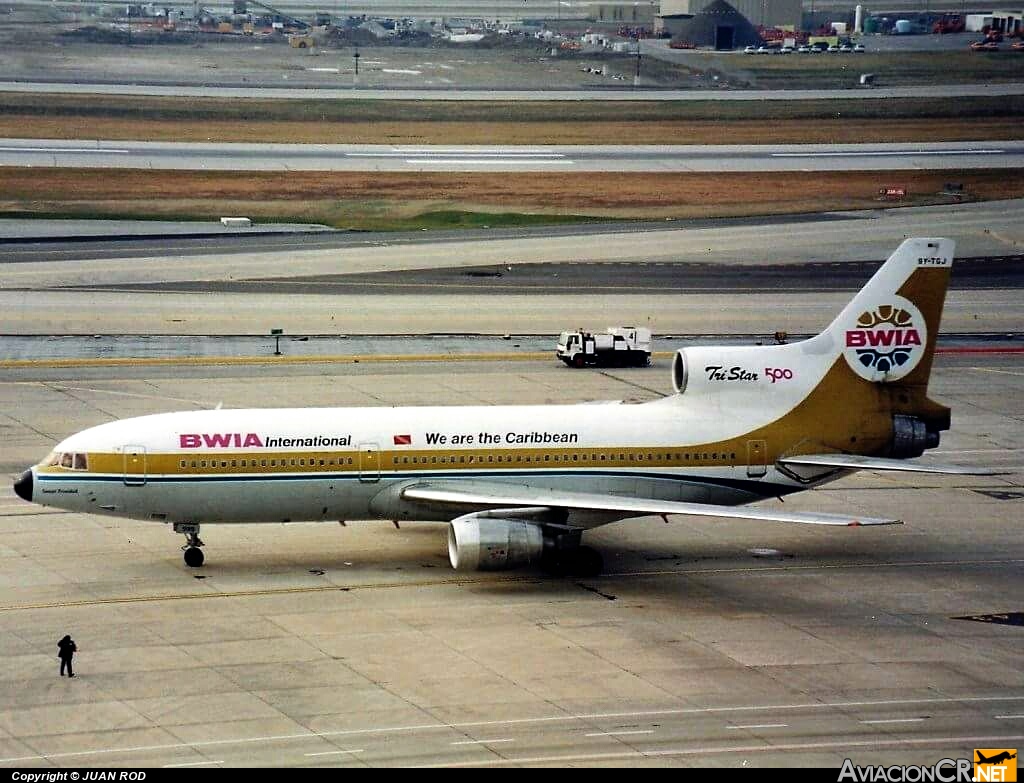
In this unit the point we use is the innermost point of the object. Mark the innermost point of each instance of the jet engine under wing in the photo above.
(480, 494)
(857, 462)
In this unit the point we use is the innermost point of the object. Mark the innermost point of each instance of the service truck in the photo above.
(617, 345)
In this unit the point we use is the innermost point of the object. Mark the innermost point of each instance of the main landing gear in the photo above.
(193, 554)
(565, 556)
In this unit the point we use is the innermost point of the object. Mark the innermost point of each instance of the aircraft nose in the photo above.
(23, 486)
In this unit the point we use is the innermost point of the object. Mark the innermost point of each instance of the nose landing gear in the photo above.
(193, 554)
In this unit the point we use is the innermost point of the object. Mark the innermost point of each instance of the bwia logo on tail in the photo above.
(888, 341)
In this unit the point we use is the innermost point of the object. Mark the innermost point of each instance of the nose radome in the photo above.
(23, 486)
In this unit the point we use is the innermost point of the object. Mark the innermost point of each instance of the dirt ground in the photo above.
(376, 200)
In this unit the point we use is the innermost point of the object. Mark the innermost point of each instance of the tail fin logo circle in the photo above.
(886, 342)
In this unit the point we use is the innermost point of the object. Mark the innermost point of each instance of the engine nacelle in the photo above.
(680, 372)
(481, 543)
(910, 437)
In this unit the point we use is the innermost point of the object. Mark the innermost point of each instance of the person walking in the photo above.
(66, 649)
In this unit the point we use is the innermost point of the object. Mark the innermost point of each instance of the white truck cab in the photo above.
(616, 346)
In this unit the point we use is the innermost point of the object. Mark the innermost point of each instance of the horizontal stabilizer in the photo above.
(496, 495)
(857, 462)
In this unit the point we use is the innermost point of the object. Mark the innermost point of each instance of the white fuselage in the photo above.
(337, 463)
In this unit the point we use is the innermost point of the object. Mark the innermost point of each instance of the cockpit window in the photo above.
(69, 459)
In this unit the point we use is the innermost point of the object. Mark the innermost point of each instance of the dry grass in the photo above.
(379, 200)
(775, 131)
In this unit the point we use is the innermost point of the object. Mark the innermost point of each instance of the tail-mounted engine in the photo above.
(911, 436)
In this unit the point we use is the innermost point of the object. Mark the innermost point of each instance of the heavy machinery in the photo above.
(949, 23)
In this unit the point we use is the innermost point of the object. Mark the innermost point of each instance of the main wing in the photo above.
(484, 495)
(857, 462)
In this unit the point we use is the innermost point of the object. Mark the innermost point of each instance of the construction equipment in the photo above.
(291, 20)
(949, 23)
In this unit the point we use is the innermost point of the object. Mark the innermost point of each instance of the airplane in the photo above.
(996, 759)
(519, 485)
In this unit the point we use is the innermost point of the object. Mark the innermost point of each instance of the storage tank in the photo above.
(858, 19)
(902, 27)
(871, 25)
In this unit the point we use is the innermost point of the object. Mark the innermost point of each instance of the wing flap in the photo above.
(857, 462)
(494, 495)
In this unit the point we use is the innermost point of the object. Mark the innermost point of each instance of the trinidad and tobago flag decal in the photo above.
(403, 440)
(887, 341)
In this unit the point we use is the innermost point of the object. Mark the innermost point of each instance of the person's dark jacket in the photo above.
(66, 648)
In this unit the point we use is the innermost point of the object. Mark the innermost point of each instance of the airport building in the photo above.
(763, 13)
(625, 13)
(717, 25)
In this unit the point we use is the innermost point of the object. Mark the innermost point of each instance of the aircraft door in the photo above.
(757, 455)
(134, 465)
(369, 463)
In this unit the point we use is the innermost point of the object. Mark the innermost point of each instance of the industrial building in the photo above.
(783, 14)
(717, 25)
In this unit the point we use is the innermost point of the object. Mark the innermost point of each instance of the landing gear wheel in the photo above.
(586, 561)
(193, 554)
(553, 564)
(580, 561)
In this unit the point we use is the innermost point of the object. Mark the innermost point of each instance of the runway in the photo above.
(538, 93)
(730, 645)
(63, 294)
(624, 158)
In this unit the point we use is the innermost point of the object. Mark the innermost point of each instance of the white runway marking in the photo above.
(840, 745)
(761, 726)
(71, 150)
(883, 153)
(998, 372)
(335, 752)
(481, 742)
(192, 764)
(467, 161)
(457, 154)
(892, 720)
(564, 719)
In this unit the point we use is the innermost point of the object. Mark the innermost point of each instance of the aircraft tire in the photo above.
(581, 562)
(587, 561)
(194, 557)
